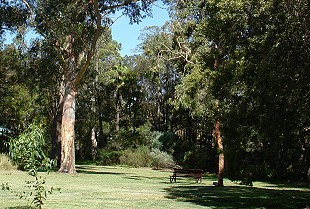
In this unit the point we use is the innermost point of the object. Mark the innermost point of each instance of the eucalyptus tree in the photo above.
(160, 75)
(95, 107)
(199, 53)
(17, 104)
(73, 29)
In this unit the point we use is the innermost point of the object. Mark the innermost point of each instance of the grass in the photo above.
(122, 187)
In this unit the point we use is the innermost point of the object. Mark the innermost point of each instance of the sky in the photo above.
(128, 35)
(123, 32)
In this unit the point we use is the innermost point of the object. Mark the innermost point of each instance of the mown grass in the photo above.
(122, 187)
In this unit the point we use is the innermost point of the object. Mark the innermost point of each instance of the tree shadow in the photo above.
(162, 180)
(240, 197)
(87, 169)
(282, 184)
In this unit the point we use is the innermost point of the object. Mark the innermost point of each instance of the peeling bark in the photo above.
(221, 153)
(67, 131)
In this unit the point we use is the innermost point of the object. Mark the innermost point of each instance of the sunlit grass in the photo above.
(122, 187)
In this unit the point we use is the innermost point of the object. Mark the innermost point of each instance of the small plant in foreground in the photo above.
(27, 152)
(35, 193)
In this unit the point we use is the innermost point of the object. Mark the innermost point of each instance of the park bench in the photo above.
(195, 173)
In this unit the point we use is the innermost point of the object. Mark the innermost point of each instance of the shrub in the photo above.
(155, 143)
(169, 141)
(160, 159)
(27, 150)
(136, 157)
(107, 157)
(6, 163)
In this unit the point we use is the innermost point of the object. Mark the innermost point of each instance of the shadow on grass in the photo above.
(162, 180)
(86, 169)
(281, 184)
(21, 207)
(240, 197)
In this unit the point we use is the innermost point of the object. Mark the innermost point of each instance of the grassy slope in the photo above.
(120, 187)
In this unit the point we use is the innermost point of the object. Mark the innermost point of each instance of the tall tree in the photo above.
(73, 28)
(160, 77)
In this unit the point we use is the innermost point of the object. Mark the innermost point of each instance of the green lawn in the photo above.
(122, 187)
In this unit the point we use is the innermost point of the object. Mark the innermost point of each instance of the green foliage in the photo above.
(243, 63)
(35, 192)
(28, 149)
(40, 191)
(6, 162)
(146, 135)
(144, 157)
(28, 152)
(201, 157)
(13, 15)
(18, 104)
(138, 157)
(161, 159)
(108, 157)
(169, 142)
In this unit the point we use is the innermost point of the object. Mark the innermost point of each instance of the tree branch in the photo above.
(183, 53)
(30, 10)
(92, 49)
(27, 5)
(125, 3)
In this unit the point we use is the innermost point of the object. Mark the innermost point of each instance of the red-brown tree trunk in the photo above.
(221, 153)
(67, 130)
(118, 111)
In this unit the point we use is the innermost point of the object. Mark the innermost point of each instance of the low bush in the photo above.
(144, 157)
(161, 159)
(6, 163)
(136, 157)
(107, 157)
(28, 150)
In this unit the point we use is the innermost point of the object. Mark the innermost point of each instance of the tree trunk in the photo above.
(102, 142)
(56, 135)
(56, 128)
(73, 73)
(94, 143)
(118, 111)
(221, 153)
(67, 130)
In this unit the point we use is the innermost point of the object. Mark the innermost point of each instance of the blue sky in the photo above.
(128, 35)
(123, 32)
